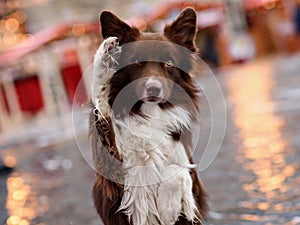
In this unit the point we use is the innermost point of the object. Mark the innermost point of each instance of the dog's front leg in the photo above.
(105, 62)
(175, 195)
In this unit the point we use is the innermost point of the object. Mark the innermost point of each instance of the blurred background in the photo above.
(47, 45)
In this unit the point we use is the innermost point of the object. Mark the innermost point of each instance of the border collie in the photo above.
(144, 103)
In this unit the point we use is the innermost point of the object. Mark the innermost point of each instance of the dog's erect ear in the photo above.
(183, 30)
(112, 26)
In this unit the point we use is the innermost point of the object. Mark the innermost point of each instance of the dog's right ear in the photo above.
(112, 26)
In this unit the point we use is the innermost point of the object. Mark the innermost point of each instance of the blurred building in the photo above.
(46, 49)
(272, 26)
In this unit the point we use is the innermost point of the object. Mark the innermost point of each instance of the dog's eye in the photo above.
(169, 63)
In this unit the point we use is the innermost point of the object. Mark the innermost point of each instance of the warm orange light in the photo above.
(20, 15)
(29, 40)
(250, 217)
(187, 4)
(279, 4)
(263, 149)
(24, 222)
(14, 182)
(22, 37)
(22, 203)
(85, 41)
(41, 2)
(13, 220)
(13, 4)
(279, 207)
(12, 24)
(140, 23)
(270, 5)
(9, 38)
(10, 161)
(289, 171)
(261, 10)
(2, 26)
(271, 194)
(29, 213)
(19, 195)
(78, 29)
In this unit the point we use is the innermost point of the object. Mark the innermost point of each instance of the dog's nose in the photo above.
(153, 88)
(153, 91)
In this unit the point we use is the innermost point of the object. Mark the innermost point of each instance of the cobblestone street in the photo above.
(255, 178)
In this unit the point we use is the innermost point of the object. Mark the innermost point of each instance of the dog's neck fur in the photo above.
(145, 137)
(148, 151)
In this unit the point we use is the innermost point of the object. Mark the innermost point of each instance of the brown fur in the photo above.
(108, 191)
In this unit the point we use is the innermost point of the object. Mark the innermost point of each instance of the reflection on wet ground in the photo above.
(22, 204)
(265, 162)
(49, 186)
(255, 179)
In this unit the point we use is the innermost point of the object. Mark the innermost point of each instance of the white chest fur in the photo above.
(158, 186)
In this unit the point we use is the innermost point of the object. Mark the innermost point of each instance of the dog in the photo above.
(144, 102)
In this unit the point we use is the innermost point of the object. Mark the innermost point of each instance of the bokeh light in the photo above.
(78, 29)
(12, 24)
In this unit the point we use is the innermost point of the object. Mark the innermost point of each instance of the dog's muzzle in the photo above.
(153, 90)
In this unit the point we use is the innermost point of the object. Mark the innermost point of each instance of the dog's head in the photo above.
(153, 68)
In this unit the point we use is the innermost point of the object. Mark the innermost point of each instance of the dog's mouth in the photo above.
(153, 99)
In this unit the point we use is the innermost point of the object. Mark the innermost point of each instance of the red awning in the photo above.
(61, 31)
(164, 9)
(251, 4)
(39, 39)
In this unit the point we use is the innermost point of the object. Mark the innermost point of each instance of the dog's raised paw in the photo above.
(111, 45)
(109, 52)
(105, 62)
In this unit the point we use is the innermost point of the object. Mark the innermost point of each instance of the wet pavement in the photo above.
(255, 179)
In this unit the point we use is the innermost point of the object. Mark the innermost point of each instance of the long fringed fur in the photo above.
(144, 171)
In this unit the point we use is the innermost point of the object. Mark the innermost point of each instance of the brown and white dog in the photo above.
(144, 104)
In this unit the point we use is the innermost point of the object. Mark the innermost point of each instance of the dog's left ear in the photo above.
(112, 26)
(183, 30)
